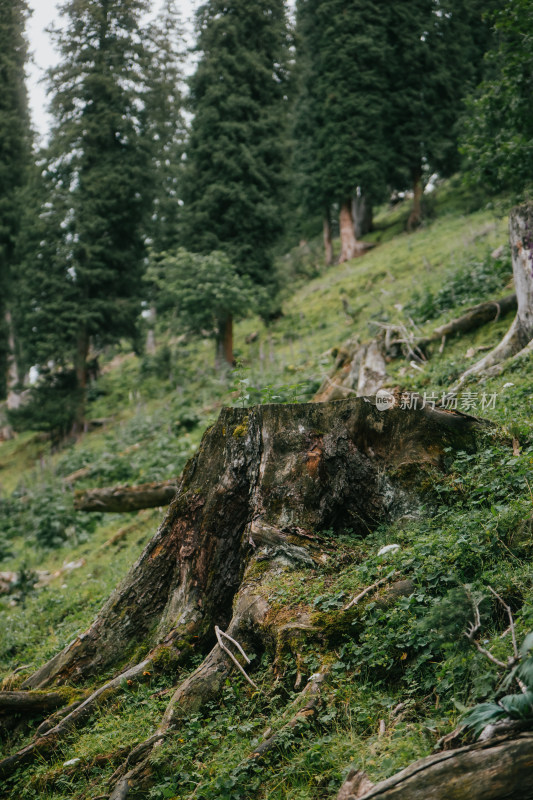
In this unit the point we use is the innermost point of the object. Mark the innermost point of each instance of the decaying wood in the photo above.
(519, 337)
(263, 481)
(369, 589)
(361, 369)
(303, 468)
(220, 635)
(500, 769)
(475, 626)
(126, 498)
(30, 703)
(47, 741)
(472, 319)
(355, 786)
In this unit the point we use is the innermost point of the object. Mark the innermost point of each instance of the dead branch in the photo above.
(219, 635)
(475, 627)
(369, 589)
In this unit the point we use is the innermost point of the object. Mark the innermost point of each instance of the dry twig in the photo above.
(368, 589)
(219, 635)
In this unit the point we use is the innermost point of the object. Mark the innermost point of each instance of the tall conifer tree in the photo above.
(99, 176)
(236, 151)
(15, 159)
(340, 122)
(436, 49)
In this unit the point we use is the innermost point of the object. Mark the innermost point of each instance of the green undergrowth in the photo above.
(405, 662)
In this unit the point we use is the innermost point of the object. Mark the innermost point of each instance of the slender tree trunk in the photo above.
(362, 215)
(150, 336)
(415, 217)
(12, 371)
(80, 366)
(350, 247)
(328, 244)
(224, 343)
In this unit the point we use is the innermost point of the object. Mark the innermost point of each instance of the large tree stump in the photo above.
(283, 472)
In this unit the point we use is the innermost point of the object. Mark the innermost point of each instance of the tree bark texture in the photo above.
(494, 770)
(274, 473)
(362, 215)
(415, 217)
(126, 498)
(350, 247)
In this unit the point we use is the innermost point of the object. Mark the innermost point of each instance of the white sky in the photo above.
(44, 14)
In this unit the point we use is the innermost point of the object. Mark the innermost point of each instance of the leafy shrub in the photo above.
(517, 706)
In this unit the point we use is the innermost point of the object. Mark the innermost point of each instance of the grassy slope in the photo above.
(415, 653)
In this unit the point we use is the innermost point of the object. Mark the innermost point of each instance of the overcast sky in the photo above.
(44, 14)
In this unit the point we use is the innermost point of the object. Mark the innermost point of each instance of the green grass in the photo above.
(474, 531)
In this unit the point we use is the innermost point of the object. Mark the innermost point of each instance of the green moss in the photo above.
(241, 430)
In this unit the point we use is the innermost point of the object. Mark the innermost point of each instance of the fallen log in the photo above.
(126, 498)
(474, 318)
(500, 769)
(31, 703)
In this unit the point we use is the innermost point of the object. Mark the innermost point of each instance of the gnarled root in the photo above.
(48, 740)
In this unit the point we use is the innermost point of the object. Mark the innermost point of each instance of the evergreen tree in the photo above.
(340, 143)
(497, 132)
(236, 151)
(15, 158)
(436, 51)
(165, 124)
(84, 282)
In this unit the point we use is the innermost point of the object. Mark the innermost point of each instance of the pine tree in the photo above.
(343, 105)
(436, 49)
(166, 127)
(236, 151)
(497, 131)
(15, 159)
(84, 281)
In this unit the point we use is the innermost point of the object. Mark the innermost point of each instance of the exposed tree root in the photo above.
(47, 741)
(31, 703)
(264, 481)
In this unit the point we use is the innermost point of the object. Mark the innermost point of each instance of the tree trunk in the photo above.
(126, 498)
(224, 343)
(150, 335)
(80, 366)
(328, 244)
(493, 770)
(520, 335)
(415, 217)
(362, 215)
(265, 477)
(350, 247)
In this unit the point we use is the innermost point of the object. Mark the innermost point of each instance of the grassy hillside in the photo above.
(476, 531)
